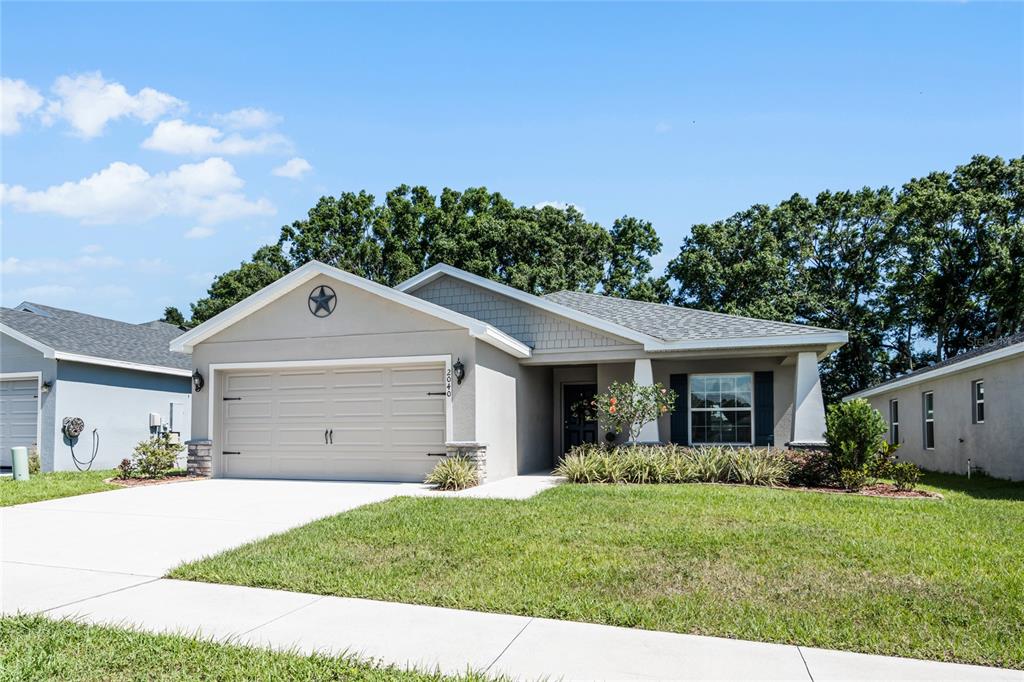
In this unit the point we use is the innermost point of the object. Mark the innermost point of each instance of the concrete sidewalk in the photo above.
(455, 641)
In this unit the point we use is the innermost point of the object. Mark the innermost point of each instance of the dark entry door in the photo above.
(575, 403)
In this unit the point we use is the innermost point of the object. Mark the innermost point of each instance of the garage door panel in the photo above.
(248, 409)
(303, 408)
(248, 382)
(19, 415)
(420, 406)
(358, 378)
(384, 425)
(357, 407)
(302, 381)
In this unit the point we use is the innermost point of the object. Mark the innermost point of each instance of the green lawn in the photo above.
(53, 485)
(937, 579)
(33, 648)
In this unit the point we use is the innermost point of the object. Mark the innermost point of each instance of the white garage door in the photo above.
(19, 415)
(352, 423)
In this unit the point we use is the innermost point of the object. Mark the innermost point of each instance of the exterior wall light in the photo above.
(460, 371)
(197, 381)
(47, 385)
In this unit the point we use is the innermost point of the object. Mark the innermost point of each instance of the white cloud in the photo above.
(37, 266)
(248, 118)
(662, 127)
(178, 137)
(48, 292)
(17, 99)
(122, 192)
(560, 205)
(92, 248)
(200, 278)
(293, 168)
(88, 102)
(199, 232)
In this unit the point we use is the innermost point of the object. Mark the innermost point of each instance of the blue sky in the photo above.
(141, 141)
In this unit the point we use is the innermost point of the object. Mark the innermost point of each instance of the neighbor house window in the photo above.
(928, 400)
(978, 393)
(721, 408)
(894, 422)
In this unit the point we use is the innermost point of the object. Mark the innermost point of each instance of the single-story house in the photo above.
(119, 378)
(964, 412)
(324, 374)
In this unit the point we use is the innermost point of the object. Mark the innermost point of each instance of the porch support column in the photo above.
(808, 404)
(643, 375)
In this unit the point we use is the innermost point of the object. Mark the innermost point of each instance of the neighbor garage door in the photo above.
(358, 423)
(19, 416)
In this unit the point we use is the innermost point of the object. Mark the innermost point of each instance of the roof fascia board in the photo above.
(572, 314)
(272, 292)
(122, 364)
(815, 339)
(985, 358)
(47, 351)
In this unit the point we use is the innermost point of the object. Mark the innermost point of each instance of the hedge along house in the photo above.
(324, 374)
(966, 412)
(117, 377)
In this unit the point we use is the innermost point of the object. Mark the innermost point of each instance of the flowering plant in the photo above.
(628, 407)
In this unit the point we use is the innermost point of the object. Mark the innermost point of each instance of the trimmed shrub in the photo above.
(454, 473)
(155, 457)
(125, 469)
(812, 468)
(711, 464)
(759, 467)
(628, 407)
(905, 475)
(853, 479)
(855, 433)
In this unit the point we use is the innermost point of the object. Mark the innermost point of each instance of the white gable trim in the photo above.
(831, 339)
(27, 340)
(983, 359)
(122, 364)
(477, 329)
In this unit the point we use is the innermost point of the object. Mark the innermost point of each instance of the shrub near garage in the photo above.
(155, 457)
(454, 473)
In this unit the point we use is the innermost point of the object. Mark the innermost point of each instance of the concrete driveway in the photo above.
(61, 551)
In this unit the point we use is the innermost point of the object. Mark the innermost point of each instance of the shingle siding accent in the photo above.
(538, 329)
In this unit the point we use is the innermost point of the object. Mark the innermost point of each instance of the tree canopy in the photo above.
(914, 275)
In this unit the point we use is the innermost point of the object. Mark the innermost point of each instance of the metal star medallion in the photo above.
(322, 301)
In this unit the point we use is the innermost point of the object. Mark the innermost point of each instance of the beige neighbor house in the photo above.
(967, 411)
(326, 375)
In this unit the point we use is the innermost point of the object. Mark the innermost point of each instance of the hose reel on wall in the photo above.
(72, 427)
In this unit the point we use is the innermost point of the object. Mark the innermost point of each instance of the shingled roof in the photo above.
(67, 331)
(674, 323)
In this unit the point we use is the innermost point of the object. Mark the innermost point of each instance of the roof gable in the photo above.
(243, 309)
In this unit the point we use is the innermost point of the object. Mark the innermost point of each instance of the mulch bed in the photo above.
(875, 490)
(137, 482)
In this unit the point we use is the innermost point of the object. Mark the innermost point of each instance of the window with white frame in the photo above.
(978, 396)
(928, 413)
(722, 408)
(894, 422)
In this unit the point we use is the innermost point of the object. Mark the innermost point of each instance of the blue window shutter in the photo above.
(680, 433)
(764, 408)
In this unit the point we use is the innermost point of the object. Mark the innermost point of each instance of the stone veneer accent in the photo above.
(536, 328)
(471, 450)
(200, 457)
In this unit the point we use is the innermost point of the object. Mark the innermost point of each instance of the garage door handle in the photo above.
(325, 436)
(232, 398)
(437, 454)
(230, 452)
(332, 436)
(436, 393)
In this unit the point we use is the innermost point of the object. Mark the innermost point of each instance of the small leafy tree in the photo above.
(628, 407)
(855, 433)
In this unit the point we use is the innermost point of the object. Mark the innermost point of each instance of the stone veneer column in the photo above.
(643, 375)
(200, 457)
(471, 450)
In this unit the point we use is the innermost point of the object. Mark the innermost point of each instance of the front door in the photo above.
(576, 410)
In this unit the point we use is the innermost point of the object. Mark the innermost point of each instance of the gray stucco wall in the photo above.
(116, 402)
(18, 357)
(538, 329)
(362, 326)
(997, 445)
